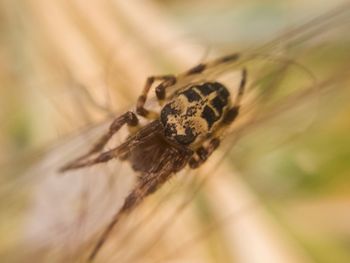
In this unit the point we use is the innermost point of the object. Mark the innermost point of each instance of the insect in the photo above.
(187, 130)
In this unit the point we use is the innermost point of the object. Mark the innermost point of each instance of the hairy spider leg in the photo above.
(101, 158)
(167, 81)
(147, 184)
(241, 88)
(170, 80)
(232, 113)
(203, 153)
(204, 66)
(128, 118)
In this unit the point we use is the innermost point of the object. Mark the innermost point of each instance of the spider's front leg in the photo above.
(101, 158)
(128, 118)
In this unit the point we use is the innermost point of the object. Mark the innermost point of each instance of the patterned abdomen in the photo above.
(195, 112)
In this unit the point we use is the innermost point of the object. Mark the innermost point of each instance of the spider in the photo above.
(188, 129)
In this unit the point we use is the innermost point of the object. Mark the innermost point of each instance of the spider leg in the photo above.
(128, 118)
(203, 153)
(204, 66)
(241, 88)
(171, 80)
(101, 158)
(167, 81)
(233, 112)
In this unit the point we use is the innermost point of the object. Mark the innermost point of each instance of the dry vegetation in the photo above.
(278, 194)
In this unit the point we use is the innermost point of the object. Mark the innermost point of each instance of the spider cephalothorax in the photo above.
(187, 130)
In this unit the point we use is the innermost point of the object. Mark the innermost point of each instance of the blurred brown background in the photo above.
(66, 66)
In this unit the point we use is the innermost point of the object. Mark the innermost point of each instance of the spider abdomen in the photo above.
(194, 112)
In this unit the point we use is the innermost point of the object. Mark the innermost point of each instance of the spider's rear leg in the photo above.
(170, 80)
(167, 81)
(233, 112)
(204, 66)
(128, 118)
(203, 153)
(241, 88)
